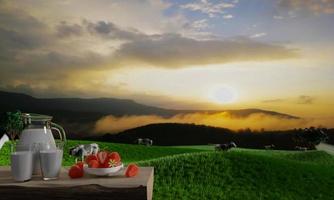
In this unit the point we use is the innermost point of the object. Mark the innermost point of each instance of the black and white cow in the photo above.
(225, 147)
(145, 141)
(83, 150)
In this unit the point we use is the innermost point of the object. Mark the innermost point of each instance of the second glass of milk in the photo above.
(51, 162)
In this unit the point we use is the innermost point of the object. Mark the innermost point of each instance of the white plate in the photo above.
(103, 171)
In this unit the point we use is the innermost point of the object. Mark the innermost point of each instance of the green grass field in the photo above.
(197, 172)
(130, 153)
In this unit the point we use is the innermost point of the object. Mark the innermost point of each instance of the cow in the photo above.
(225, 147)
(145, 141)
(83, 150)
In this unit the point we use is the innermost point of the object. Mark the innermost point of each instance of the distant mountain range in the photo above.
(104, 106)
(78, 115)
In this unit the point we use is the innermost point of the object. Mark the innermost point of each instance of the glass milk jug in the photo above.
(38, 131)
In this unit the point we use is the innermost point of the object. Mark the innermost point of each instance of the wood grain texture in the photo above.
(87, 187)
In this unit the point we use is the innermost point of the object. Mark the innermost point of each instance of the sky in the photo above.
(203, 54)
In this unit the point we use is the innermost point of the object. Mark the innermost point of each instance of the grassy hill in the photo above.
(197, 172)
(244, 174)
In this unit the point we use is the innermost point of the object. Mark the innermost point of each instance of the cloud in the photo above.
(112, 31)
(66, 30)
(313, 6)
(305, 99)
(228, 16)
(199, 24)
(19, 30)
(209, 8)
(257, 35)
(71, 48)
(62, 61)
(278, 17)
(302, 99)
(32, 50)
(176, 51)
(65, 50)
(16, 40)
(112, 124)
(158, 50)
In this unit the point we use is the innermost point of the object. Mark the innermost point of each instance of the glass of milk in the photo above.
(51, 161)
(21, 163)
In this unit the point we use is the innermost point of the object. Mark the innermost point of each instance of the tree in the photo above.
(12, 123)
(312, 136)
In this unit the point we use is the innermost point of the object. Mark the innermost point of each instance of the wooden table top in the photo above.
(144, 177)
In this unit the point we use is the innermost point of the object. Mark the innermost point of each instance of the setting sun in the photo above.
(223, 95)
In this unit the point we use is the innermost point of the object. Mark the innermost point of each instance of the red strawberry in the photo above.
(90, 157)
(102, 157)
(105, 165)
(93, 164)
(109, 163)
(75, 172)
(115, 157)
(113, 160)
(132, 170)
(80, 164)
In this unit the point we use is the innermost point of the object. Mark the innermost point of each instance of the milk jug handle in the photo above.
(60, 131)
